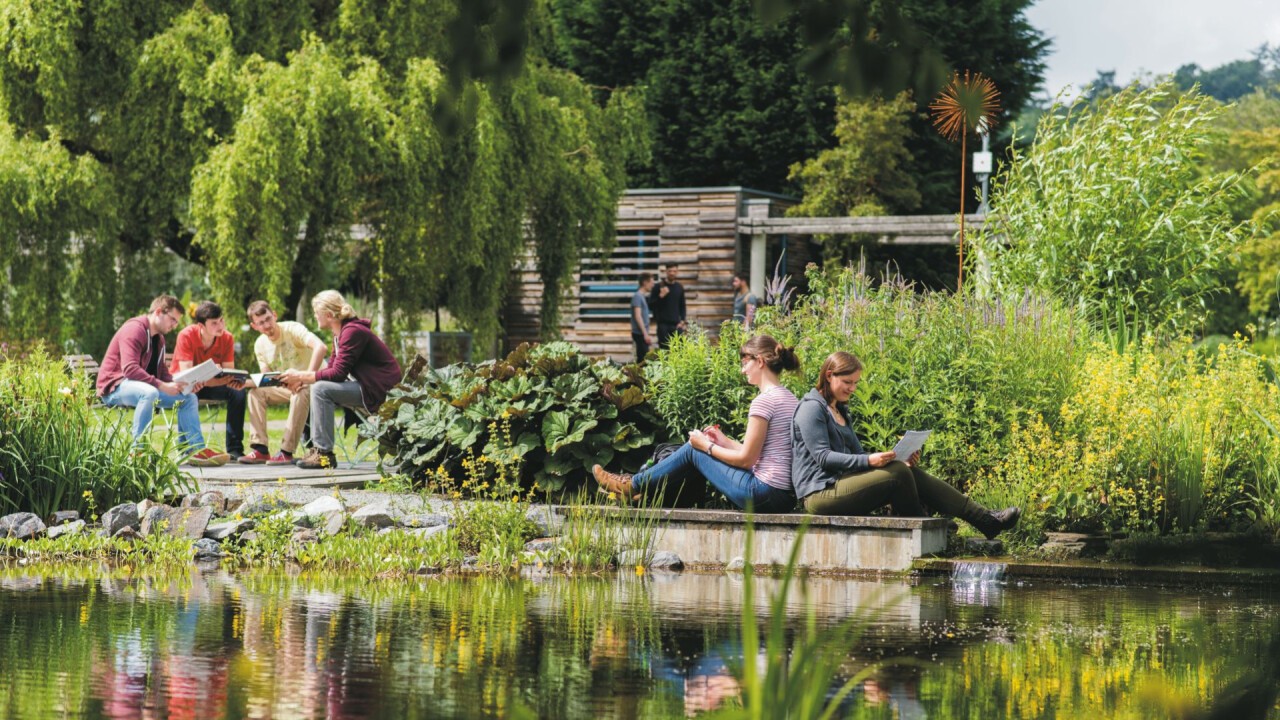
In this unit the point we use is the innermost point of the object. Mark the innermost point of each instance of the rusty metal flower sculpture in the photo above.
(965, 104)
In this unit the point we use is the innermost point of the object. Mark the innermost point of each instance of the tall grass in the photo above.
(58, 453)
(794, 680)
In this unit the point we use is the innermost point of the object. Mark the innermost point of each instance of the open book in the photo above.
(266, 379)
(206, 371)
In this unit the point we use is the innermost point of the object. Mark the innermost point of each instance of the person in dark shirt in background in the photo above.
(666, 300)
(640, 317)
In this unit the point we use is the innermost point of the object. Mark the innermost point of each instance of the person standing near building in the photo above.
(282, 346)
(666, 300)
(640, 317)
(744, 303)
(207, 339)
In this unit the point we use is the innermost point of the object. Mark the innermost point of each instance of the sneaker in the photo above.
(282, 458)
(208, 457)
(254, 457)
(318, 460)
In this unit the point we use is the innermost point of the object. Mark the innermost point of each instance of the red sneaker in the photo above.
(254, 457)
(208, 457)
(281, 458)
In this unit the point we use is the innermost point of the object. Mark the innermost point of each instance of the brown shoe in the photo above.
(619, 485)
(318, 460)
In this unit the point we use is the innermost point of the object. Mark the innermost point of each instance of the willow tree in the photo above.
(254, 136)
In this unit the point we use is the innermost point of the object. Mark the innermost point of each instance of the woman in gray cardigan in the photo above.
(833, 476)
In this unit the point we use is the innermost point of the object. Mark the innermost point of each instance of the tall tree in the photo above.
(252, 136)
(739, 90)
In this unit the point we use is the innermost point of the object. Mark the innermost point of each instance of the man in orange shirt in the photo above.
(207, 339)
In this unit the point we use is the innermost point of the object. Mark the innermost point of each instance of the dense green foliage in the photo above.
(1152, 440)
(864, 174)
(547, 406)
(252, 139)
(1026, 406)
(970, 371)
(738, 91)
(1108, 208)
(57, 453)
(1234, 80)
(1251, 129)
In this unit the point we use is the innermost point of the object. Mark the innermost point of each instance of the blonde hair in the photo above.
(332, 302)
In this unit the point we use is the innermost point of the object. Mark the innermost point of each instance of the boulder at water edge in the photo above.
(71, 528)
(21, 526)
(124, 515)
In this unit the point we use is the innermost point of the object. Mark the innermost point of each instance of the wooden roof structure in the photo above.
(711, 233)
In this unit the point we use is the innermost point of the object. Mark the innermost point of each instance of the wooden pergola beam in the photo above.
(897, 230)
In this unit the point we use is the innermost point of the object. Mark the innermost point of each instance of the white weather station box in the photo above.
(981, 163)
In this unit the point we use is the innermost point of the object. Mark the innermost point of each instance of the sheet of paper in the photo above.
(203, 372)
(910, 443)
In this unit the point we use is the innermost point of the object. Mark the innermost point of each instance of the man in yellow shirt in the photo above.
(282, 346)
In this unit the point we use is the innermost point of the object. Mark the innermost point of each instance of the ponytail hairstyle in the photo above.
(772, 353)
(837, 363)
(331, 301)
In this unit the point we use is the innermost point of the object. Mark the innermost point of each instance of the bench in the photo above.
(89, 367)
(839, 544)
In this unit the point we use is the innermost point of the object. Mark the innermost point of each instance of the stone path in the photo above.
(345, 475)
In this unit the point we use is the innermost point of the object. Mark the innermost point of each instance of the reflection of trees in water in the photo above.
(218, 645)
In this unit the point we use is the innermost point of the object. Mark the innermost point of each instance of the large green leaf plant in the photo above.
(548, 405)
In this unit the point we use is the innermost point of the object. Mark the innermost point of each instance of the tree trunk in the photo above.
(307, 266)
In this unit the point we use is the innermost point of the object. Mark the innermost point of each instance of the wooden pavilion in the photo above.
(711, 233)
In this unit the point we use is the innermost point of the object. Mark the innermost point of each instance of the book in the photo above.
(266, 379)
(910, 444)
(195, 374)
(234, 374)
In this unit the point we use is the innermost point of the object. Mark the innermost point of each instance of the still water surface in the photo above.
(215, 644)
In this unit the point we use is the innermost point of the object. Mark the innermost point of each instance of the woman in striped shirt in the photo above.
(754, 473)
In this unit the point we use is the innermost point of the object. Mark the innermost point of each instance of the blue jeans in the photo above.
(144, 398)
(740, 486)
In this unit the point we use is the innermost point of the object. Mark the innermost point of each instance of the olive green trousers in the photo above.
(906, 489)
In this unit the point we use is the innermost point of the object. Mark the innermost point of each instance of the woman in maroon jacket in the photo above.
(360, 372)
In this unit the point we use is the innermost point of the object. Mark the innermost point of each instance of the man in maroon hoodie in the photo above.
(134, 374)
(361, 371)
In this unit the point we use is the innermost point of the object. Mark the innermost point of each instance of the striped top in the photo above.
(777, 406)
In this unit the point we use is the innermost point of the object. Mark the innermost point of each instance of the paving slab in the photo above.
(345, 475)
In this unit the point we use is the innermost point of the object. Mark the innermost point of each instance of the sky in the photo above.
(1153, 36)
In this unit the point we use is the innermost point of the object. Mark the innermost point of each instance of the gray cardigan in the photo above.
(819, 454)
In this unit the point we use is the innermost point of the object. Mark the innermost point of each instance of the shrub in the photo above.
(564, 413)
(1153, 440)
(57, 453)
(967, 370)
(696, 383)
(1109, 208)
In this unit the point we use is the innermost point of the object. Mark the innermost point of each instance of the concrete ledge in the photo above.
(1109, 573)
(836, 544)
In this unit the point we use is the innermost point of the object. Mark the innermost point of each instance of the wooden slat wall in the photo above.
(698, 230)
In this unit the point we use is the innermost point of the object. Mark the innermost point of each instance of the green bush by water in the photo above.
(968, 370)
(564, 411)
(58, 453)
(1153, 439)
(1109, 208)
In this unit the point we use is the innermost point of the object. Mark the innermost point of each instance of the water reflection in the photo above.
(220, 645)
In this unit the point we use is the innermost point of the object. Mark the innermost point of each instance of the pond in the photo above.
(215, 644)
